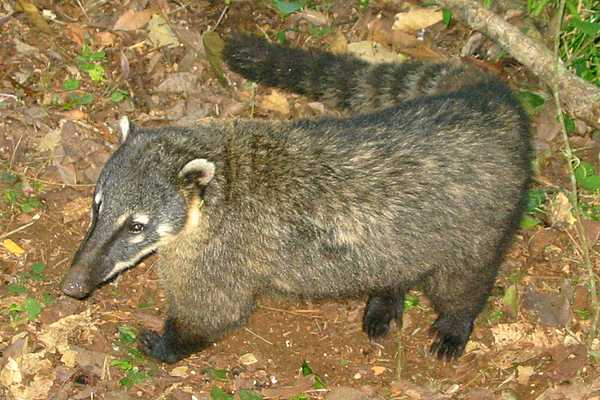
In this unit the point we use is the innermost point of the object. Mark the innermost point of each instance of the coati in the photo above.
(422, 187)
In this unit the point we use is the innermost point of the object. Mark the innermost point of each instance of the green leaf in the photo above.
(16, 289)
(281, 38)
(249, 395)
(569, 124)
(511, 300)
(584, 170)
(10, 196)
(531, 101)
(38, 267)
(306, 369)
(446, 16)
(319, 384)
(30, 204)
(529, 222)
(119, 95)
(48, 299)
(345, 363)
(95, 71)
(591, 183)
(216, 373)
(410, 302)
(220, 394)
(127, 334)
(213, 46)
(33, 308)
(300, 396)
(122, 364)
(589, 28)
(494, 316)
(134, 376)
(583, 314)
(135, 353)
(487, 3)
(536, 198)
(71, 84)
(8, 177)
(286, 8)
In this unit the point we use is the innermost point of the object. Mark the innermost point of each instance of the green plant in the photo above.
(15, 195)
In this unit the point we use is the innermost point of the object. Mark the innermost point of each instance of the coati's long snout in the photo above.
(76, 282)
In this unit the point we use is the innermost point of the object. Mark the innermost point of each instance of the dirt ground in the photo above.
(529, 343)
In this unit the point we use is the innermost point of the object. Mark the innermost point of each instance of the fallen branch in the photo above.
(580, 98)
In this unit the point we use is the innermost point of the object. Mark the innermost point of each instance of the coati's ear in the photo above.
(199, 171)
(125, 127)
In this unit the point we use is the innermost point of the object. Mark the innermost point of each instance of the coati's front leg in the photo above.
(198, 319)
(175, 343)
(381, 309)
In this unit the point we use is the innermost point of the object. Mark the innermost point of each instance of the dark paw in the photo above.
(450, 338)
(155, 346)
(379, 312)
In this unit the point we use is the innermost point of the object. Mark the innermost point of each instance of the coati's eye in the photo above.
(136, 227)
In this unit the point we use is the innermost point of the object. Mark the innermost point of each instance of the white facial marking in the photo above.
(98, 197)
(136, 239)
(124, 127)
(164, 229)
(123, 265)
(141, 218)
(121, 220)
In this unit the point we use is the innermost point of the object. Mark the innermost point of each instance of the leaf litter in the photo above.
(174, 77)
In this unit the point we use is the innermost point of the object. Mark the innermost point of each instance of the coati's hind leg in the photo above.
(381, 309)
(190, 327)
(458, 297)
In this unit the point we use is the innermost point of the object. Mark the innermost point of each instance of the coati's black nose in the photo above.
(75, 283)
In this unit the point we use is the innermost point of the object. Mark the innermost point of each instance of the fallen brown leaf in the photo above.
(131, 20)
(33, 15)
(416, 18)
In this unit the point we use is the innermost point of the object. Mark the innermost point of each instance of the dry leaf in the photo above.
(160, 33)
(276, 102)
(338, 43)
(12, 247)
(11, 373)
(248, 359)
(33, 15)
(180, 372)
(213, 47)
(105, 39)
(131, 20)
(76, 33)
(523, 374)
(559, 212)
(374, 52)
(416, 18)
(50, 140)
(314, 17)
(73, 115)
(378, 370)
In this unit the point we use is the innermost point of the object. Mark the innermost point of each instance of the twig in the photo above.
(580, 98)
(258, 336)
(19, 229)
(585, 249)
(400, 352)
(290, 312)
(12, 157)
(220, 17)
